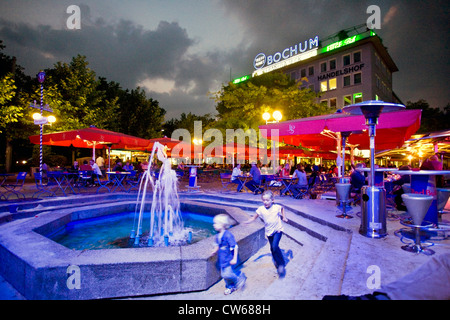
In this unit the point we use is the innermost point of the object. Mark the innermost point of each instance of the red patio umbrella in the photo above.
(89, 138)
(392, 130)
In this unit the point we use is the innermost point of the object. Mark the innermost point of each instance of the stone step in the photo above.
(320, 267)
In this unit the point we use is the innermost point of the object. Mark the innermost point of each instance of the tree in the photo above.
(72, 92)
(242, 105)
(433, 119)
(186, 121)
(15, 123)
(140, 116)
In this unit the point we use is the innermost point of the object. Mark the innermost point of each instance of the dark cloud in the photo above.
(415, 32)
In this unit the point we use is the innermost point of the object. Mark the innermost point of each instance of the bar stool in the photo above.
(343, 191)
(417, 206)
(442, 198)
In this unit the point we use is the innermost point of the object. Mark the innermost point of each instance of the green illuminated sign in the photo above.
(241, 79)
(346, 42)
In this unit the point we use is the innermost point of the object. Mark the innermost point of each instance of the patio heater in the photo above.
(373, 207)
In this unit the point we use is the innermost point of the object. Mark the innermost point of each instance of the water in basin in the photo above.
(113, 231)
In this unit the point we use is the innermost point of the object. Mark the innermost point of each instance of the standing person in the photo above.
(272, 214)
(227, 248)
(100, 162)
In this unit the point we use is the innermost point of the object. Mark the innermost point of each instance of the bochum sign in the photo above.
(302, 50)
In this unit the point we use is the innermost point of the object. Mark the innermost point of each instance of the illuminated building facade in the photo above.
(349, 67)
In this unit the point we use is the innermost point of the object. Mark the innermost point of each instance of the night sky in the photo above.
(179, 50)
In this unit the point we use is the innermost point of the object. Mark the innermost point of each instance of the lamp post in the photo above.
(41, 79)
(277, 116)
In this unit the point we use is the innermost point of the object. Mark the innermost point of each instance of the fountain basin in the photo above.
(40, 268)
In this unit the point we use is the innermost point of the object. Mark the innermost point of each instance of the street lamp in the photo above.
(40, 120)
(277, 116)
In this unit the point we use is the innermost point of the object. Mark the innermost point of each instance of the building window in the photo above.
(346, 81)
(323, 86)
(357, 78)
(356, 56)
(324, 103)
(333, 103)
(323, 67)
(346, 60)
(293, 75)
(332, 84)
(358, 97)
(333, 64)
(311, 71)
(303, 73)
(347, 100)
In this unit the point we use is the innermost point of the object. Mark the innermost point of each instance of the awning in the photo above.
(392, 130)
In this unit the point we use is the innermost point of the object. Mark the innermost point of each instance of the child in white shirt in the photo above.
(272, 214)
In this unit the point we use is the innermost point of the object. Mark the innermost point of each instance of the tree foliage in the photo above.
(242, 105)
(433, 119)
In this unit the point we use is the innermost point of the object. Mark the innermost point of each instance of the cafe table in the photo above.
(4, 177)
(64, 180)
(243, 180)
(424, 182)
(379, 174)
(117, 178)
(287, 181)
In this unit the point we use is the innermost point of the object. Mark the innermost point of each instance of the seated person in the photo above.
(398, 190)
(118, 167)
(357, 180)
(128, 166)
(96, 172)
(85, 166)
(302, 179)
(234, 177)
(285, 171)
(75, 166)
(255, 173)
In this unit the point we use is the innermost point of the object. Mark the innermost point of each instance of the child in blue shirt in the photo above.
(227, 248)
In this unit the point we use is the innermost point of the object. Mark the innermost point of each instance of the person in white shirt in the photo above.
(100, 162)
(95, 171)
(272, 214)
(234, 177)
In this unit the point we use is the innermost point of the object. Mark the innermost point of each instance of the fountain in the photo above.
(41, 268)
(166, 223)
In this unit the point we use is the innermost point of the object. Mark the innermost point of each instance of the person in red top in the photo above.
(286, 170)
(85, 166)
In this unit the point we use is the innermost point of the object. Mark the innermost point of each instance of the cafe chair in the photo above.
(300, 191)
(135, 183)
(259, 187)
(16, 188)
(41, 187)
(84, 179)
(102, 184)
(225, 179)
